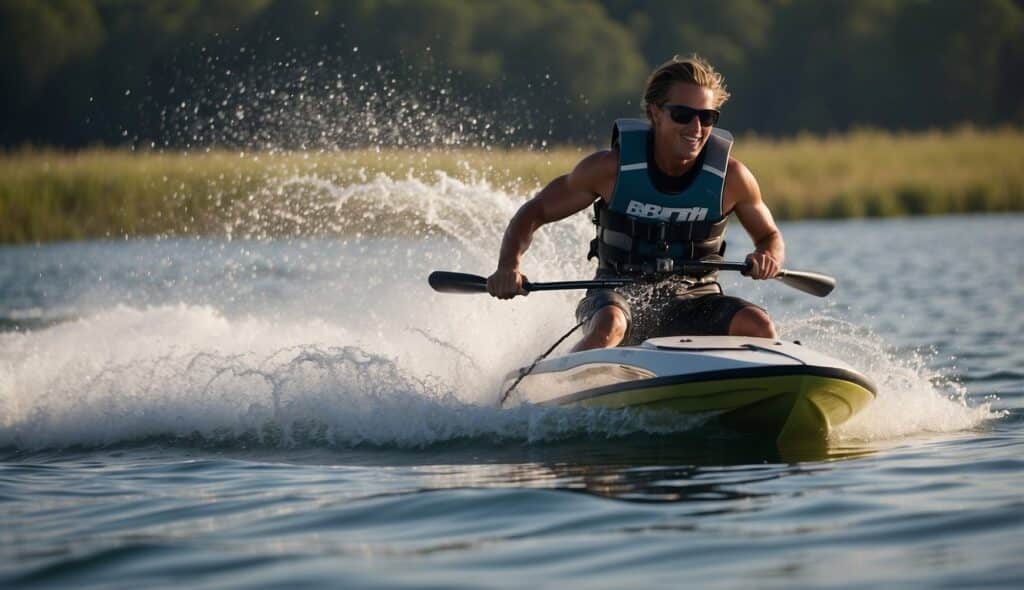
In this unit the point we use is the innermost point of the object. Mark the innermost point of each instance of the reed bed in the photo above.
(105, 193)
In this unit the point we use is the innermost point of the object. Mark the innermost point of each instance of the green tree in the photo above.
(39, 39)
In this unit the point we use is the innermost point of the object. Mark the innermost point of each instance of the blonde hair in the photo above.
(692, 69)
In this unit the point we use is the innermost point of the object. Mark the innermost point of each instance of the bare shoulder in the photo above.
(740, 185)
(596, 173)
(599, 163)
(739, 173)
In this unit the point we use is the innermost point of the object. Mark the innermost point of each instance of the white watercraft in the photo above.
(760, 385)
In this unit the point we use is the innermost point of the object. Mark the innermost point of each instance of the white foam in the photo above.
(188, 372)
(912, 398)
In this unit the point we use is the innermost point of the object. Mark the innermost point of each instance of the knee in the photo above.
(609, 322)
(751, 321)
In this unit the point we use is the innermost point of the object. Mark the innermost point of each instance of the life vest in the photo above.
(642, 230)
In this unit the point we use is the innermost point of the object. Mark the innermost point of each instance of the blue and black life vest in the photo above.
(643, 230)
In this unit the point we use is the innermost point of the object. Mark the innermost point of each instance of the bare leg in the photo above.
(751, 321)
(606, 328)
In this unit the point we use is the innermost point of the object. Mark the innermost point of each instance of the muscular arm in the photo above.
(561, 198)
(744, 193)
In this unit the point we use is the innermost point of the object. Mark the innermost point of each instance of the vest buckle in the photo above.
(661, 245)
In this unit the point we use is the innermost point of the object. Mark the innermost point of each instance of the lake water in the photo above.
(307, 413)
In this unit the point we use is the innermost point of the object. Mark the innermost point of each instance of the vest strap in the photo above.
(623, 262)
(654, 231)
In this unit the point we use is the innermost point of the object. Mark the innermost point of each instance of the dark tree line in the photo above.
(349, 72)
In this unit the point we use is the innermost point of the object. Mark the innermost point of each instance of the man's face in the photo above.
(683, 141)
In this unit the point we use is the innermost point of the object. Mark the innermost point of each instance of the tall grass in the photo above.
(878, 174)
(51, 195)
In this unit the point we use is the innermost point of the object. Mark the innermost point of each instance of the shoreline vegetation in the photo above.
(48, 195)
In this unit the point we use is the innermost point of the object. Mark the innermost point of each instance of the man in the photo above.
(662, 195)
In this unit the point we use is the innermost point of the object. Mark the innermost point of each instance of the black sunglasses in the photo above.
(683, 114)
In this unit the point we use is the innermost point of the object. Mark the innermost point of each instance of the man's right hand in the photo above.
(506, 284)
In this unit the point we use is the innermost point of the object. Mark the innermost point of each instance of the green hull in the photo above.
(795, 409)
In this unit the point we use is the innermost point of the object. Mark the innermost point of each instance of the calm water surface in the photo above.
(202, 413)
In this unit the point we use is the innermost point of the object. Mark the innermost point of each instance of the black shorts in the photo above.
(652, 311)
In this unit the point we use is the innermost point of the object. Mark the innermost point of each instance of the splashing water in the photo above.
(912, 398)
(385, 362)
(326, 102)
(189, 373)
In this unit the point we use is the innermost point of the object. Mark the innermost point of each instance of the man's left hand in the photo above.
(762, 265)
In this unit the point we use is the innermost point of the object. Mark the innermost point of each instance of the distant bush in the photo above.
(51, 195)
